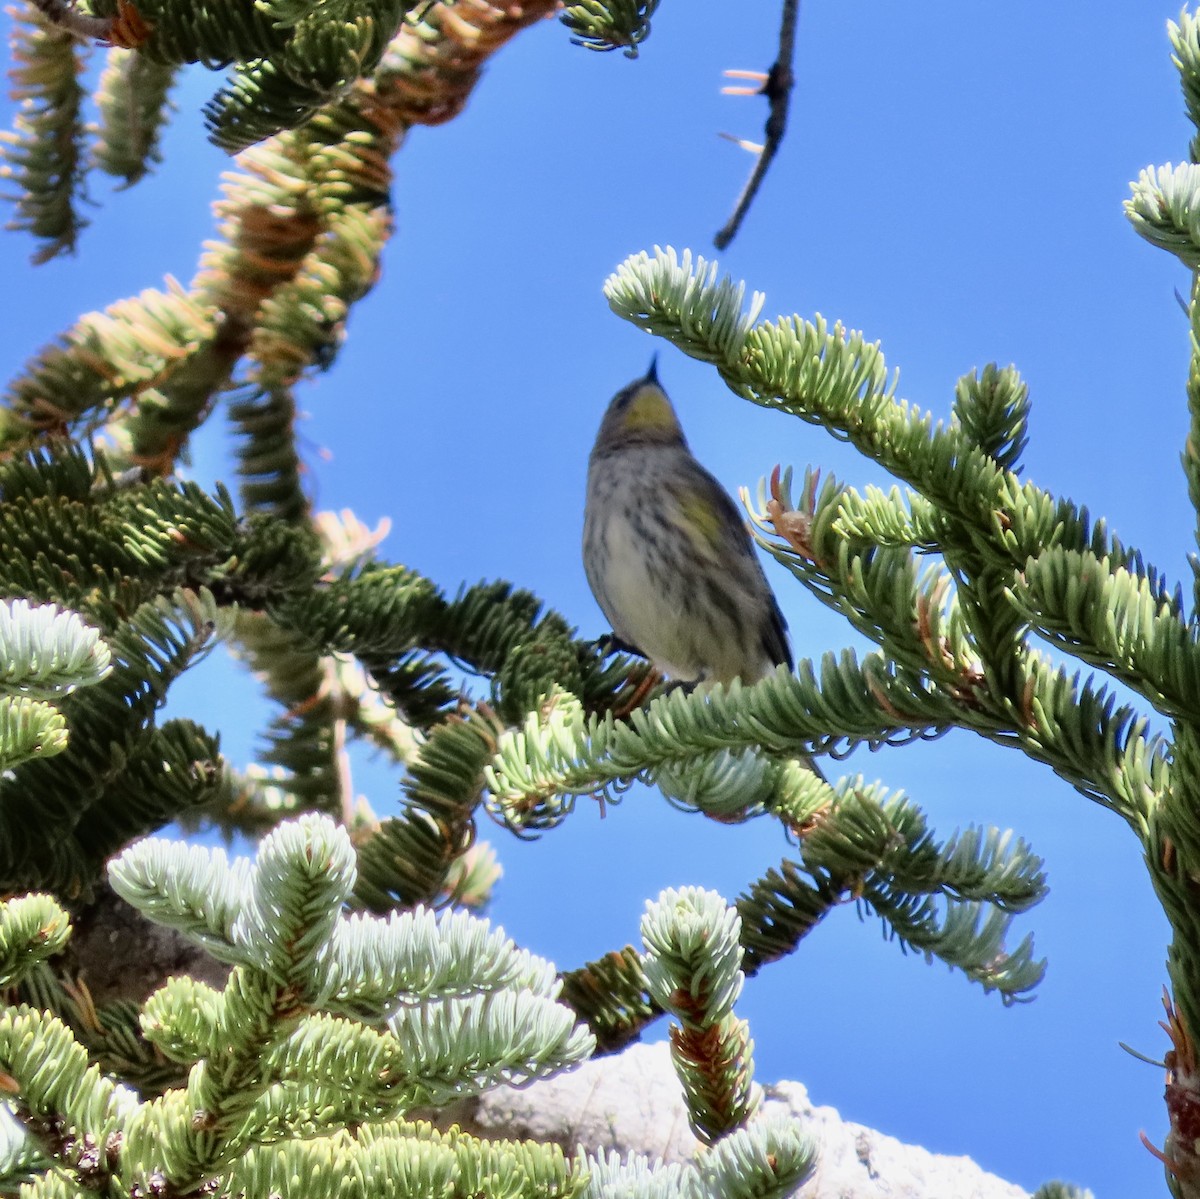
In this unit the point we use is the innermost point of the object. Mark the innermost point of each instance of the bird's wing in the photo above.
(716, 527)
(714, 524)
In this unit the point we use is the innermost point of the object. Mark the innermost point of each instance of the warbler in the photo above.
(667, 553)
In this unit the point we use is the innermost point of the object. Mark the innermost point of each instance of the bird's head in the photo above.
(640, 414)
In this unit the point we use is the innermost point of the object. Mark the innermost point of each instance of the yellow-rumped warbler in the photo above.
(667, 553)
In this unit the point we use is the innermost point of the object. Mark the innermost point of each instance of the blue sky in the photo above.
(952, 185)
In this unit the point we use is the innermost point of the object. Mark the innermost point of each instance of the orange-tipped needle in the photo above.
(753, 147)
(759, 77)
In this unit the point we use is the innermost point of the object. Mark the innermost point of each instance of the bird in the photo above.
(667, 553)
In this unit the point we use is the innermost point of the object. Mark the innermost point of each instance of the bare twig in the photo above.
(777, 87)
(67, 17)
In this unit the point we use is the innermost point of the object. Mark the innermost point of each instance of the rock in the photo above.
(631, 1102)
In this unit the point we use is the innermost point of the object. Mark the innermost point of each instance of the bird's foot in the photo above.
(610, 643)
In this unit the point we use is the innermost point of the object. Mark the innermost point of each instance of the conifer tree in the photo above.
(337, 980)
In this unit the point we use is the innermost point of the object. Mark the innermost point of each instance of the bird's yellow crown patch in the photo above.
(649, 409)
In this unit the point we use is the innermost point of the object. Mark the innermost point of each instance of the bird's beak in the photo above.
(652, 373)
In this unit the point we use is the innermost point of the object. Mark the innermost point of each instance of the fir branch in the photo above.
(106, 358)
(374, 1159)
(32, 929)
(316, 61)
(46, 652)
(426, 1056)
(833, 377)
(347, 148)
(878, 848)
(864, 841)
(68, 536)
(22, 1158)
(374, 966)
(174, 770)
(340, 158)
(1110, 618)
(523, 1037)
(692, 964)
(268, 461)
(836, 379)
(396, 609)
(976, 865)
(391, 618)
(301, 742)
(634, 1174)
(667, 293)
(611, 994)
(889, 519)
(302, 225)
(133, 99)
(182, 1020)
(968, 937)
(29, 729)
(43, 153)
(537, 772)
(783, 907)
(1104, 749)
(1185, 39)
(284, 279)
(151, 431)
(998, 627)
(67, 1105)
(287, 906)
(367, 967)
(768, 1159)
(119, 776)
(1165, 210)
(1171, 841)
(216, 34)
(66, 473)
(415, 684)
(263, 98)
(732, 787)
(302, 323)
(992, 409)
(1191, 447)
(432, 65)
(856, 556)
(267, 557)
(303, 873)
(407, 860)
(266, 224)
(471, 1010)
(338, 1165)
(864, 833)
(610, 24)
(284, 70)
(111, 1032)
(969, 640)
(192, 889)
(73, 535)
